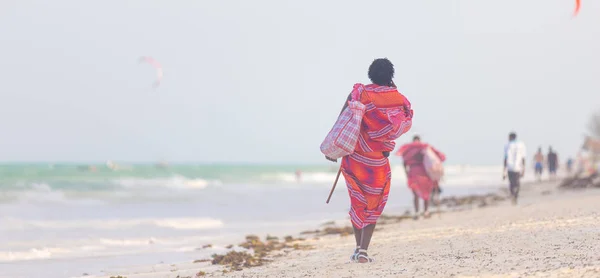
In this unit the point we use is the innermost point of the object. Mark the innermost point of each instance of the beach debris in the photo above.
(397, 218)
(310, 232)
(200, 274)
(480, 200)
(332, 230)
(118, 276)
(229, 246)
(202, 261)
(342, 231)
(581, 181)
(270, 238)
(328, 223)
(237, 260)
(207, 246)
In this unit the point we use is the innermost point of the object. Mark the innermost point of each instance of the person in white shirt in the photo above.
(514, 164)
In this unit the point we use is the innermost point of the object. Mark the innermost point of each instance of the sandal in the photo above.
(362, 254)
(426, 214)
(354, 257)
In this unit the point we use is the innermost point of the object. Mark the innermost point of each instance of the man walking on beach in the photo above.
(538, 159)
(514, 164)
(552, 163)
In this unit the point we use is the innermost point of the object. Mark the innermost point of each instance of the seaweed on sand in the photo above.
(235, 260)
(480, 200)
(342, 231)
(310, 232)
(580, 181)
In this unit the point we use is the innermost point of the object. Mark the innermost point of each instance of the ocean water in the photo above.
(64, 220)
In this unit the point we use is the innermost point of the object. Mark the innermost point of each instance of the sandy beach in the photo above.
(550, 233)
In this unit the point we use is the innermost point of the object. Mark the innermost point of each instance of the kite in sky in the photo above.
(156, 65)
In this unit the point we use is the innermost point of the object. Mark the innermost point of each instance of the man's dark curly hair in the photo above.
(381, 72)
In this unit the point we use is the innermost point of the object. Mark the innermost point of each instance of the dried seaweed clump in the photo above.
(396, 218)
(579, 182)
(480, 200)
(342, 231)
(239, 260)
(236, 260)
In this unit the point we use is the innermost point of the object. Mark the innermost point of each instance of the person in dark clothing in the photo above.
(552, 159)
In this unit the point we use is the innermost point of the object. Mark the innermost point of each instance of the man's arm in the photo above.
(505, 161)
(504, 171)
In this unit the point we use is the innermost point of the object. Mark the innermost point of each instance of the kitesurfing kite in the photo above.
(156, 65)
(577, 6)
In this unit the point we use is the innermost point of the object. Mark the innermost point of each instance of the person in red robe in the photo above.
(367, 171)
(419, 182)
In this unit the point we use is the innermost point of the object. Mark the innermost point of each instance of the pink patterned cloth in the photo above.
(418, 178)
(343, 137)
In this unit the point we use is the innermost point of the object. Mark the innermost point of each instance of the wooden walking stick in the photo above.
(334, 184)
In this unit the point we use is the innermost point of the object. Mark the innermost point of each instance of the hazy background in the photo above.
(262, 81)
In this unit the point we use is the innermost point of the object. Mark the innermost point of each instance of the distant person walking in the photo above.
(538, 159)
(570, 165)
(552, 163)
(367, 171)
(298, 175)
(514, 164)
(419, 180)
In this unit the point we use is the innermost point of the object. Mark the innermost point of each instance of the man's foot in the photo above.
(514, 200)
(416, 216)
(426, 214)
(354, 257)
(363, 257)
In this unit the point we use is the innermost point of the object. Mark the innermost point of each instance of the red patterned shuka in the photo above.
(367, 171)
(418, 180)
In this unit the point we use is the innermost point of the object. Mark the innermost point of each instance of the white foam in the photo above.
(111, 224)
(31, 254)
(41, 193)
(91, 247)
(175, 182)
(455, 175)
(305, 177)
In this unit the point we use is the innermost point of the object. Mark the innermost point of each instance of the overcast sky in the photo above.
(263, 81)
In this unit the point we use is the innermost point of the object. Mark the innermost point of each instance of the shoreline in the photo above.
(545, 198)
(303, 240)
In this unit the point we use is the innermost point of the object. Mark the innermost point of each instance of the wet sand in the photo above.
(550, 233)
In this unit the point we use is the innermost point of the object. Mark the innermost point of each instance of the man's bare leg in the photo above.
(357, 237)
(426, 208)
(366, 235)
(416, 204)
